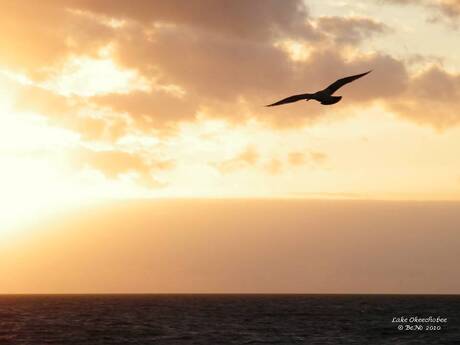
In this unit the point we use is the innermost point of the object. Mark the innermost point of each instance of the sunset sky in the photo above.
(113, 99)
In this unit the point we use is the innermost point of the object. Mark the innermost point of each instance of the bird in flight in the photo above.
(324, 96)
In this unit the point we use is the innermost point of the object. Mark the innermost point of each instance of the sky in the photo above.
(158, 100)
(240, 246)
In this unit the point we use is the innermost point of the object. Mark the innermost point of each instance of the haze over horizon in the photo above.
(240, 246)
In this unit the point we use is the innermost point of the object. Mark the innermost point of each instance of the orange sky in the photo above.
(240, 246)
(111, 100)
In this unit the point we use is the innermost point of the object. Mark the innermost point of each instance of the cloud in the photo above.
(225, 61)
(274, 166)
(157, 109)
(446, 9)
(451, 8)
(430, 98)
(255, 20)
(318, 157)
(251, 158)
(232, 67)
(153, 41)
(247, 158)
(70, 112)
(233, 79)
(399, 2)
(113, 164)
(299, 158)
(296, 158)
(307, 158)
(43, 35)
(351, 30)
(42, 101)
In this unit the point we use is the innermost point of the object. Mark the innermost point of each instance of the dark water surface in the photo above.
(226, 319)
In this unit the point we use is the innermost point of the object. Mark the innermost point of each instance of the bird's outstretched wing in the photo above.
(341, 82)
(290, 99)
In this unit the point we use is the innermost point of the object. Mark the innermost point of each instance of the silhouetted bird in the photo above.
(323, 96)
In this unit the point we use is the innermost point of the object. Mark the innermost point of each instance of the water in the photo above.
(224, 319)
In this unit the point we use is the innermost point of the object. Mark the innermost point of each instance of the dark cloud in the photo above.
(257, 19)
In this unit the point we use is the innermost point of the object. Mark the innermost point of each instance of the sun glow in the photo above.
(31, 182)
(105, 77)
(37, 177)
(127, 116)
(30, 189)
(297, 51)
